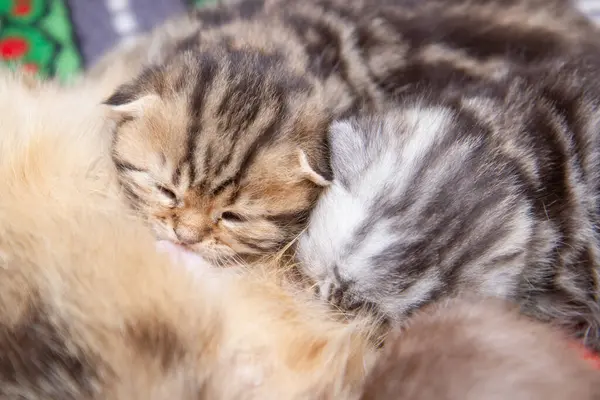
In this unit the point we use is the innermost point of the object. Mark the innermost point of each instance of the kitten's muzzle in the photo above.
(339, 297)
(188, 235)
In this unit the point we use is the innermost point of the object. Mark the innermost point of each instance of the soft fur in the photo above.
(221, 138)
(89, 309)
(471, 350)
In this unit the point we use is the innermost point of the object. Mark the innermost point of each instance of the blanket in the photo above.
(62, 37)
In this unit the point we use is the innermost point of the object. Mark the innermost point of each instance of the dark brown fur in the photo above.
(35, 350)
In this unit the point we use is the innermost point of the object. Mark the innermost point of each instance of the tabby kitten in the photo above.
(224, 171)
(492, 191)
(221, 140)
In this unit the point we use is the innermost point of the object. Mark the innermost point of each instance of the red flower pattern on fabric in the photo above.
(12, 48)
(22, 8)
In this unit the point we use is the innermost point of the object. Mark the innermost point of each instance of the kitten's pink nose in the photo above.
(189, 235)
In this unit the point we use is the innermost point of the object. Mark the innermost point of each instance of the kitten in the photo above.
(89, 309)
(221, 142)
(471, 350)
(233, 171)
(493, 191)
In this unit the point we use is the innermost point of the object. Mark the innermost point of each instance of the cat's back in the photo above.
(365, 53)
(370, 52)
(472, 349)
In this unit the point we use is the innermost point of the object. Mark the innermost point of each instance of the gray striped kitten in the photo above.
(220, 140)
(493, 190)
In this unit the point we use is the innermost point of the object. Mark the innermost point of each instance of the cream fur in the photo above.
(148, 330)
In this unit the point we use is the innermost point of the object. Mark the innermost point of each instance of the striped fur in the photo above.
(492, 191)
(230, 151)
(89, 310)
(227, 163)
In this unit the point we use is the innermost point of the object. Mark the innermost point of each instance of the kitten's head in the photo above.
(221, 151)
(331, 251)
(354, 247)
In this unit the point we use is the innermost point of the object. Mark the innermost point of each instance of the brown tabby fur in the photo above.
(472, 350)
(188, 184)
(232, 97)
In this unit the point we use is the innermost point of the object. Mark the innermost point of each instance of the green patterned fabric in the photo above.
(37, 35)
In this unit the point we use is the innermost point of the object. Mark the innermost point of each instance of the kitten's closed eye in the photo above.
(232, 217)
(167, 192)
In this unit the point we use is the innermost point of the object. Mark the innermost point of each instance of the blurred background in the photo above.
(61, 37)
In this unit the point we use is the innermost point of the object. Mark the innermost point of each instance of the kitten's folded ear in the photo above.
(320, 178)
(349, 146)
(132, 109)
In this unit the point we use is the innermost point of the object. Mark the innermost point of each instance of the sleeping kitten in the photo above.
(472, 350)
(90, 311)
(494, 191)
(220, 141)
(224, 171)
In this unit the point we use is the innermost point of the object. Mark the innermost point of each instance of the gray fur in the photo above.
(493, 191)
